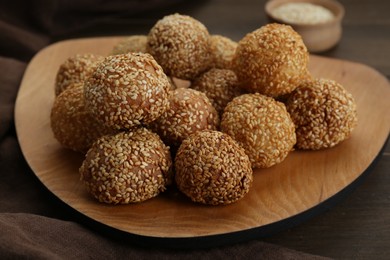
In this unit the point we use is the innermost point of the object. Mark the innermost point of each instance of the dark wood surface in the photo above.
(358, 227)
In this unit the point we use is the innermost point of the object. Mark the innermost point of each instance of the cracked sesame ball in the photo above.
(323, 112)
(127, 90)
(133, 43)
(75, 69)
(262, 126)
(71, 123)
(189, 111)
(222, 51)
(127, 167)
(271, 60)
(211, 168)
(180, 44)
(219, 85)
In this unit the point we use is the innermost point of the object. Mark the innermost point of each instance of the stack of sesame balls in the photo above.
(141, 131)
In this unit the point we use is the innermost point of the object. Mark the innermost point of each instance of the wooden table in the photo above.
(358, 226)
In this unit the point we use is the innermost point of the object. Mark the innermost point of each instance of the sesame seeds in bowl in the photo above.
(303, 13)
(319, 22)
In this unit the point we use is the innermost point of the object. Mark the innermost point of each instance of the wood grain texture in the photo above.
(301, 182)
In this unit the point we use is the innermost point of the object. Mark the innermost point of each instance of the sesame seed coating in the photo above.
(219, 85)
(189, 111)
(75, 69)
(127, 167)
(222, 51)
(262, 126)
(127, 90)
(180, 44)
(71, 123)
(133, 43)
(323, 112)
(211, 168)
(271, 60)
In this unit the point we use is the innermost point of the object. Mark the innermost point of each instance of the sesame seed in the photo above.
(219, 85)
(262, 126)
(75, 69)
(180, 44)
(323, 112)
(203, 178)
(189, 111)
(124, 106)
(302, 13)
(271, 60)
(139, 168)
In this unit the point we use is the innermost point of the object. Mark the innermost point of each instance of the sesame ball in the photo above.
(222, 51)
(75, 69)
(180, 44)
(211, 168)
(271, 60)
(323, 112)
(189, 111)
(219, 85)
(71, 123)
(127, 167)
(134, 43)
(127, 90)
(262, 126)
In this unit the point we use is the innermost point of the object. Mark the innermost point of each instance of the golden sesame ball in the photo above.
(71, 123)
(271, 60)
(262, 126)
(222, 51)
(219, 85)
(127, 90)
(127, 167)
(180, 44)
(75, 69)
(323, 112)
(134, 43)
(211, 168)
(189, 111)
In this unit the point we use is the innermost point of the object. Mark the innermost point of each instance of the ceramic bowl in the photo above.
(318, 37)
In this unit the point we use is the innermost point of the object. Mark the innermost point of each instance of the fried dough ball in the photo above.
(271, 60)
(71, 123)
(262, 126)
(222, 51)
(127, 90)
(323, 112)
(189, 111)
(134, 43)
(180, 44)
(219, 85)
(75, 69)
(211, 168)
(127, 167)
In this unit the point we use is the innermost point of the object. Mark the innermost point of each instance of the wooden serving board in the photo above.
(301, 182)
